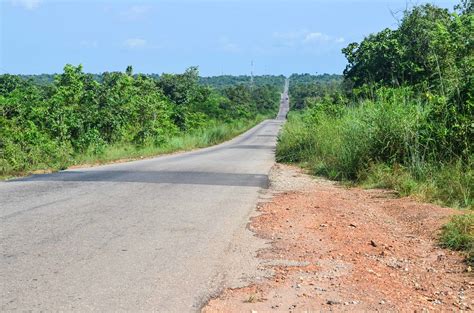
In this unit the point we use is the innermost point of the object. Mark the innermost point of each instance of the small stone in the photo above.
(373, 272)
(323, 225)
(373, 243)
(333, 302)
(352, 225)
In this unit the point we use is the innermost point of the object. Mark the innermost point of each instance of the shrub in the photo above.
(386, 142)
(458, 235)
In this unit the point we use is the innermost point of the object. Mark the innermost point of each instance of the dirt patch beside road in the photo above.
(339, 249)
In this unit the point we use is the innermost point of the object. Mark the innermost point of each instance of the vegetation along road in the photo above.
(145, 235)
(370, 208)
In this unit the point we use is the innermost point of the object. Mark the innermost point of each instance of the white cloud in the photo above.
(305, 38)
(136, 12)
(316, 37)
(27, 4)
(135, 43)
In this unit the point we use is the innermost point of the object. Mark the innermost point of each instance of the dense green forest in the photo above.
(306, 88)
(217, 82)
(223, 81)
(82, 117)
(401, 117)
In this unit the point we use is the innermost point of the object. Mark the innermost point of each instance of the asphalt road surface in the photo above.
(149, 235)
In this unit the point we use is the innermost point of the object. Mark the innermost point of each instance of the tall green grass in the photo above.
(458, 235)
(212, 134)
(377, 145)
(200, 138)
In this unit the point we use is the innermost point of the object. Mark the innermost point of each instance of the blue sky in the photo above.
(221, 37)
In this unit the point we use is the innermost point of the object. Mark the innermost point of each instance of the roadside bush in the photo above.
(77, 117)
(458, 234)
(385, 143)
(296, 141)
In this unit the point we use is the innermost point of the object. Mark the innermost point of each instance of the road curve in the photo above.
(148, 235)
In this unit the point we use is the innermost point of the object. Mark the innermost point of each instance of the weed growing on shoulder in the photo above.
(458, 235)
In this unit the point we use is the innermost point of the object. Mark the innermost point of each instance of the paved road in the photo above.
(145, 235)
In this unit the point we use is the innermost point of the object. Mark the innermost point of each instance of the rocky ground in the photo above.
(333, 248)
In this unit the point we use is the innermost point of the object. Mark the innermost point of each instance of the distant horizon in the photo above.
(221, 37)
(160, 73)
(200, 75)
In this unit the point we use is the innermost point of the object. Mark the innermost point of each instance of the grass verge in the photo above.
(349, 149)
(458, 235)
(200, 138)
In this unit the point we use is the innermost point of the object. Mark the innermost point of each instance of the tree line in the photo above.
(431, 56)
(45, 123)
(217, 82)
(306, 89)
(223, 81)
